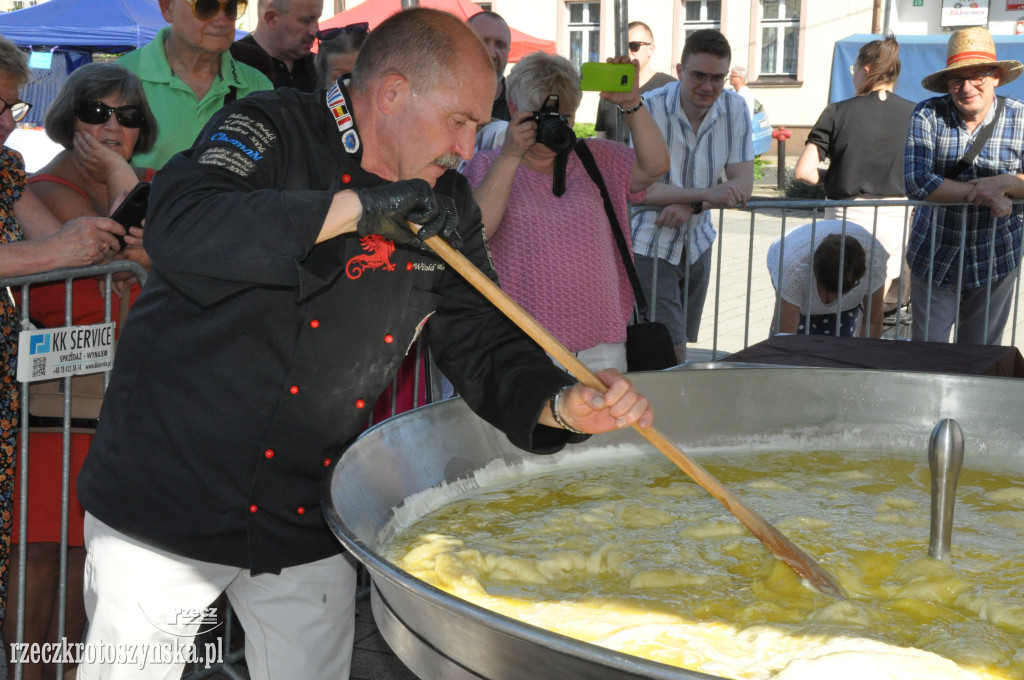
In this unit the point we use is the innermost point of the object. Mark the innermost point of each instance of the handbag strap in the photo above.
(977, 145)
(627, 262)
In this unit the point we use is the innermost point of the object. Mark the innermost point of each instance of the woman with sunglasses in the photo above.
(101, 118)
(32, 240)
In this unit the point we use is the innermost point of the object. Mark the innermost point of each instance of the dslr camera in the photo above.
(553, 131)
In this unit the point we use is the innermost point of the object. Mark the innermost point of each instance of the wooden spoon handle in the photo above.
(799, 561)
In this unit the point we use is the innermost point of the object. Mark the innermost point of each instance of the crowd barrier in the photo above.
(742, 305)
(740, 309)
(23, 284)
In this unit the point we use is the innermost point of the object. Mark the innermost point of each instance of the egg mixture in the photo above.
(635, 557)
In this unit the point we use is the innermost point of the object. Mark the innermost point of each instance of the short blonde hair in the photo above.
(540, 74)
(13, 61)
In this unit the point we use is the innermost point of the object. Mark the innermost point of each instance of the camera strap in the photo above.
(558, 181)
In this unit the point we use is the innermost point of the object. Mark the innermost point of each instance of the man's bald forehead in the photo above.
(486, 14)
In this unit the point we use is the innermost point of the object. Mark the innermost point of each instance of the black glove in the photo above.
(388, 208)
(444, 223)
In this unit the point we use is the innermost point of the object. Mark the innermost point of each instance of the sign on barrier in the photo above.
(71, 350)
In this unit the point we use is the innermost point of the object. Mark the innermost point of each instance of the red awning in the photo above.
(375, 11)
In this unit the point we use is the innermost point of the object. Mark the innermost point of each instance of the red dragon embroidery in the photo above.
(379, 251)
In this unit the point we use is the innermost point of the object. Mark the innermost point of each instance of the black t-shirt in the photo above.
(864, 137)
(606, 113)
(499, 109)
(302, 75)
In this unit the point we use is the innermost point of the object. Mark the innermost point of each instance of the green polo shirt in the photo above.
(179, 115)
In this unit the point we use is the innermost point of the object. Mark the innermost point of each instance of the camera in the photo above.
(553, 131)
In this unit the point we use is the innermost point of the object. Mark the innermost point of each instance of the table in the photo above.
(893, 355)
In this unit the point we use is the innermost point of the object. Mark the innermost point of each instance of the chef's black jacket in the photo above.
(253, 355)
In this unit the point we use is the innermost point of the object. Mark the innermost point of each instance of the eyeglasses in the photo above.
(853, 69)
(351, 29)
(635, 45)
(205, 10)
(975, 80)
(18, 109)
(98, 113)
(698, 78)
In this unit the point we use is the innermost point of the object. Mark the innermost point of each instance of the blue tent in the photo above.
(85, 25)
(71, 30)
(920, 55)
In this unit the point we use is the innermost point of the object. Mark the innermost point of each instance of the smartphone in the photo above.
(132, 210)
(595, 76)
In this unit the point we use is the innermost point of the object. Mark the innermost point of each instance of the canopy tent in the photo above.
(375, 11)
(85, 25)
(920, 55)
(71, 30)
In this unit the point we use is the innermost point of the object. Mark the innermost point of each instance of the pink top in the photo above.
(556, 256)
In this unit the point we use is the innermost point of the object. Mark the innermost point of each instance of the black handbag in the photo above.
(649, 345)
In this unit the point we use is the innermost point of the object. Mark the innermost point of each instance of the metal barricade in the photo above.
(68, 276)
(741, 304)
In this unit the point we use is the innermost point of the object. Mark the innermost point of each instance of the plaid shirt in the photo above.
(698, 160)
(937, 139)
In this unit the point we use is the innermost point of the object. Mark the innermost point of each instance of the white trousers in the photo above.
(146, 605)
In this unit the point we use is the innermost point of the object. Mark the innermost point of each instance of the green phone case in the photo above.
(600, 77)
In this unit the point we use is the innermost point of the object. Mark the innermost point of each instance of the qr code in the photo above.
(38, 367)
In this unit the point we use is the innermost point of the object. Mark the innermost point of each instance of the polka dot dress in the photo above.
(825, 324)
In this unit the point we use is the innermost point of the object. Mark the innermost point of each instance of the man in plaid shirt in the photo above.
(966, 254)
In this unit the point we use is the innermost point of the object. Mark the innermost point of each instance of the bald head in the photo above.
(423, 45)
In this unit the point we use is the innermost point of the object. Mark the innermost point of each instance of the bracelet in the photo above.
(554, 402)
(632, 109)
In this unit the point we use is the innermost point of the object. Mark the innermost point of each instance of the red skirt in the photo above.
(45, 479)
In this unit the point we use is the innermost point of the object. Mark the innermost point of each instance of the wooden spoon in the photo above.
(784, 549)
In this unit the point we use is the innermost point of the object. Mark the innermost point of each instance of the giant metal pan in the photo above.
(722, 408)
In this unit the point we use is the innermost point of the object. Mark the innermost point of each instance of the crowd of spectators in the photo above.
(206, 119)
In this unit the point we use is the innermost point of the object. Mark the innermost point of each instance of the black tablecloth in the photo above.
(894, 355)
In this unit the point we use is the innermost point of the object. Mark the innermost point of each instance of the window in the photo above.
(780, 37)
(701, 14)
(584, 32)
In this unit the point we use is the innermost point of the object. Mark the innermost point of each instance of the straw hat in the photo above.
(971, 47)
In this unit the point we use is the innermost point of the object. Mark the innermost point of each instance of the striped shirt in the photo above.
(698, 160)
(937, 139)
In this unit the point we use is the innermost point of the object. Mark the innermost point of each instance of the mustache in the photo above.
(449, 161)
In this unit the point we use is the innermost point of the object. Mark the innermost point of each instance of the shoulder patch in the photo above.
(237, 144)
(339, 107)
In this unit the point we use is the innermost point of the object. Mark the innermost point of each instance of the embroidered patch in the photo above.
(239, 143)
(351, 141)
(378, 256)
(339, 108)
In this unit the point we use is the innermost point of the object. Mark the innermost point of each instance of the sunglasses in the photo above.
(205, 10)
(18, 109)
(98, 113)
(635, 45)
(351, 29)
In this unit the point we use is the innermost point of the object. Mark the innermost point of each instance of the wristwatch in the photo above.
(698, 207)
